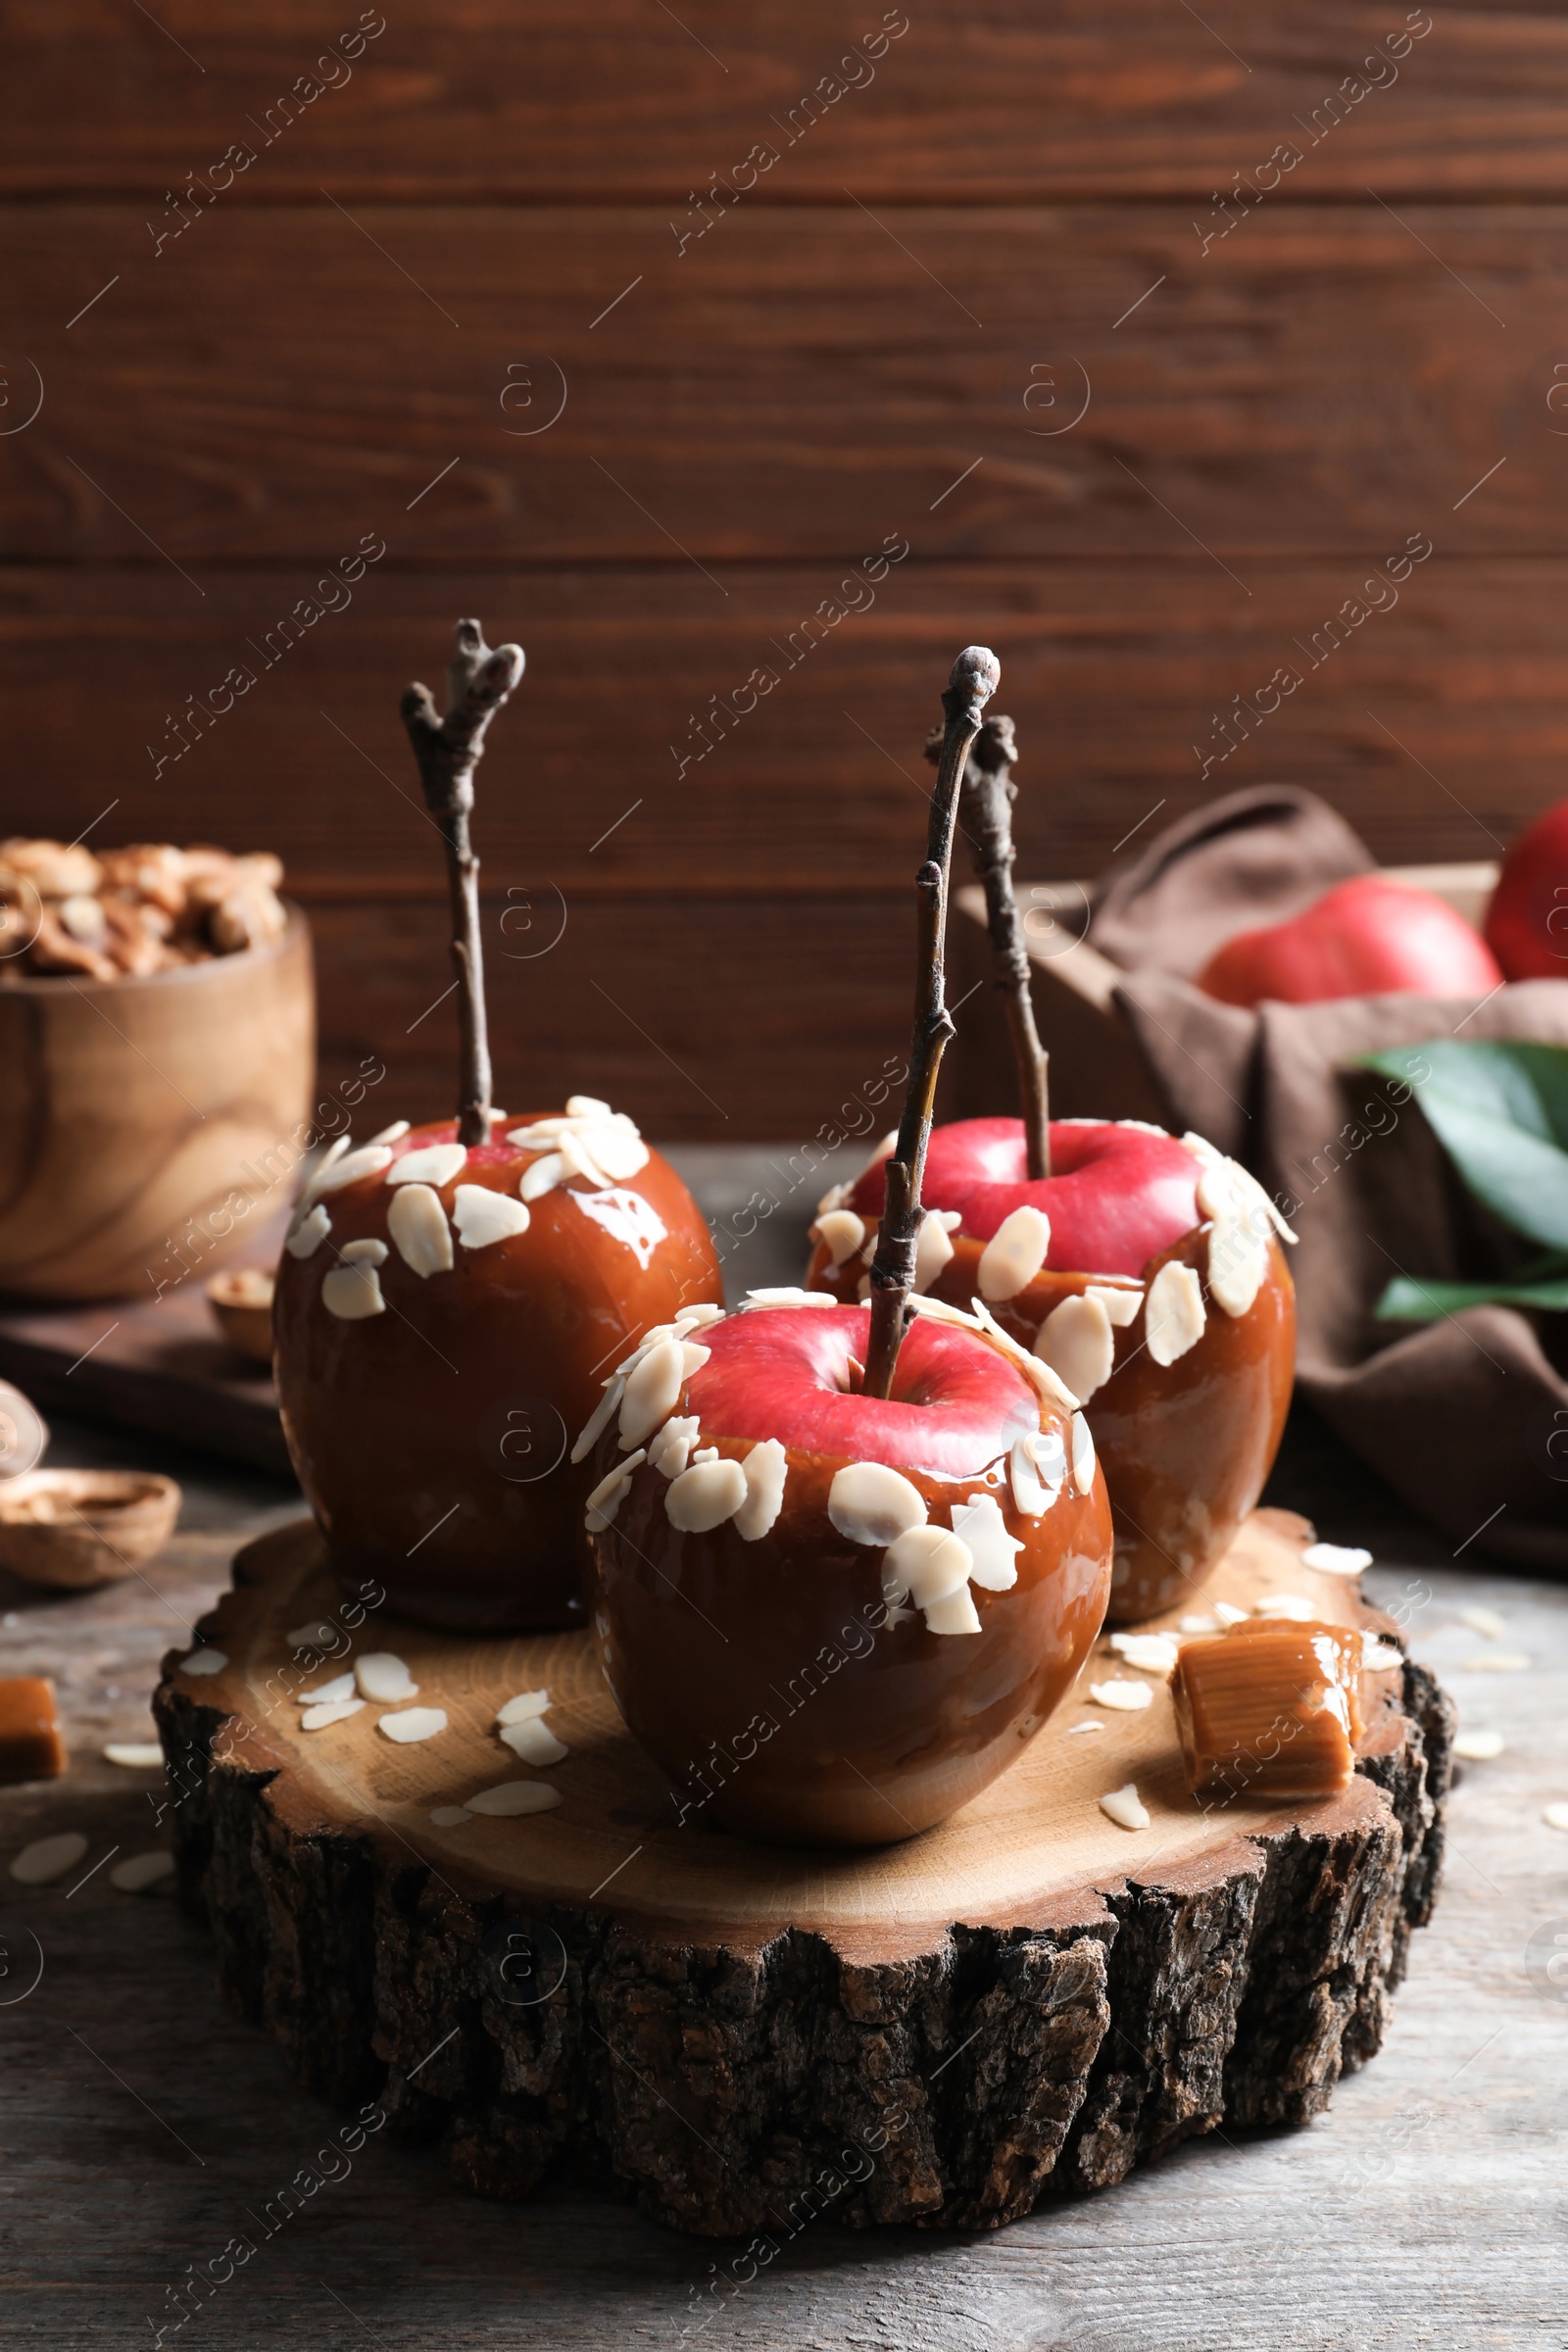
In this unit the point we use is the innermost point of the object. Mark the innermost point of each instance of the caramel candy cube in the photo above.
(33, 1746)
(1270, 1708)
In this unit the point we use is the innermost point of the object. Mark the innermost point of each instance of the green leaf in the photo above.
(1500, 1112)
(1406, 1301)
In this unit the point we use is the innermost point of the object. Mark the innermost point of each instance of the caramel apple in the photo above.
(846, 1562)
(1147, 1273)
(451, 1298)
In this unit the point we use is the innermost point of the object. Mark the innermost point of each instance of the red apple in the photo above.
(1147, 1271)
(834, 1618)
(1368, 936)
(1527, 921)
(443, 1321)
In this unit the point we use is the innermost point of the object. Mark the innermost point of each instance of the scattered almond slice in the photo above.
(533, 1742)
(48, 1858)
(1379, 1657)
(515, 1796)
(1073, 1728)
(525, 1707)
(1228, 1613)
(138, 1874)
(136, 1755)
(1150, 1653)
(204, 1661)
(381, 1675)
(340, 1686)
(412, 1724)
(1498, 1661)
(447, 1817)
(1126, 1808)
(1335, 1559)
(1285, 1605)
(1555, 1817)
(1478, 1748)
(841, 1231)
(316, 1635)
(333, 1710)
(1201, 1625)
(1484, 1622)
(1126, 1698)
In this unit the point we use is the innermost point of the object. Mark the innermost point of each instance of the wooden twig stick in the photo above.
(972, 684)
(987, 817)
(448, 750)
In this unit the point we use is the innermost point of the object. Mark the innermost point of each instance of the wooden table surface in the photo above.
(144, 2128)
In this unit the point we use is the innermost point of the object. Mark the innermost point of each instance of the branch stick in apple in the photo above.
(986, 810)
(448, 751)
(972, 684)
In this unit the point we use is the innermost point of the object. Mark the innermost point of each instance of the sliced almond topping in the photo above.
(138, 1874)
(1048, 1383)
(204, 1661)
(515, 1796)
(365, 1252)
(694, 1355)
(870, 1503)
(533, 1742)
(1015, 1254)
(341, 1685)
(330, 1711)
(599, 1420)
(1237, 1260)
(834, 1197)
(1075, 1730)
(525, 1707)
(787, 1294)
(352, 1293)
(1150, 1653)
(766, 1468)
(382, 1675)
(1335, 1559)
(1123, 1697)
(979, 1524)
(1083, 1455)
(136, 1755)
(1478, 1748)
(932, 1249)
(588, 1107)
(1126, 1808)
(954, 1613)
(704, 1495)
(1029, 1493)
(542, 1176)
(393, 1134)
(692, 1318)
(653, 1392)
(610, 1492)
(334, 1173)
(1120, 1301)
(1228, 1613)
(412, 1724)
(1201, 1625)
(1379, 1657)
(941, 1311)
(483, 1217)
(670, 1450)
(418, 1224)
(924, 1565)
(1077, 1342)
(578, 1160)
(307, 1234)
(434, 1163)
(1173, 1312)
(843, 1233)
(48, 1858)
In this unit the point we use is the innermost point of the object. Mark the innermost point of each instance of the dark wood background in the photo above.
(1018, 198)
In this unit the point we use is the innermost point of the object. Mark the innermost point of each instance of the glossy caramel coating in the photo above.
(767, 1680)
(1271, 1708)
(433, 1441)
(1186, 1446)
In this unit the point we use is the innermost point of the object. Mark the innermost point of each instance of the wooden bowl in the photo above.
(242, 1302)
(145, 1125)
(80, 1528)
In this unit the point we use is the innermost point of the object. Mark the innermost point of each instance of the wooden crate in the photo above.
(1096, 1070)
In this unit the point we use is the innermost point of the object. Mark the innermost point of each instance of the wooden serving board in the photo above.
(157, 1366)
(1028, 1997)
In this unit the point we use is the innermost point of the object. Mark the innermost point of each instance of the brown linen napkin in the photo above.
(1466, 1417)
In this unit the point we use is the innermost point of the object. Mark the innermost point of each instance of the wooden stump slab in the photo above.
(1028, 1998)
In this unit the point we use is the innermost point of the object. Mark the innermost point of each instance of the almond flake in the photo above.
(542, 1176)
(979, 1524)
(48, 1858)
(834, 1197)
(1077, 1342)
(1379, 1657)
(1498, 1661)
(1083, 1455)
(1478, 1748)
(1335, 1559)
(609, 1404)
(393, 1134)
(924, 1565)
(484, 1217)
(418, 1224)
(1015, 1254)
(1173, 1312)
(525, 1707)
(787, 1294)
(447, 1817)
(412, 1724)
(766, 1468)
(933, 1248)
(1228, 1613)
(705, 1497)
(432, 1164)
(1285, 1605)
(1126, 1698)
(1486, 1622)
(381, 1675)
(1126, 1808)
(954, 1613)
(204, 1661)
(138, 1874)
(515, 1796)
(870, 1503)
(842, 1232)
(533, 1742)
(340, 1686)
(653, 1392)
(308, 1232)
(1049, 1385)
(1201, 1625)
(1149, 1653)
(365, 1252)
(1121, 1302)
(136, 1755)
(670, 1452)
(1237, 1261)
(333, 1174)
(1076, 1730)
(336, 1710)
(1555, 1817)
(693, 1318)
(610, 1492)
(352, 1293)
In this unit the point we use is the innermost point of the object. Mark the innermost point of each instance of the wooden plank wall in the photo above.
(1031, 330)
